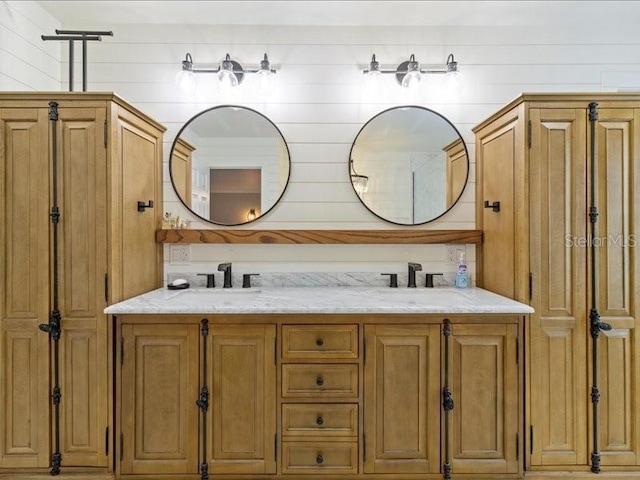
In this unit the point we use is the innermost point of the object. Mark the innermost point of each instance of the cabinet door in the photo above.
(558, 329)
(159, 389)
(25, 397)
(243, 400)
(402, 399)
(500, 151)
(618, 144)
(136, 170)
(484, 384)
(82, 268)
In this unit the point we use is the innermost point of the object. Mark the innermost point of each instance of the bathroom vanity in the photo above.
(293, 382)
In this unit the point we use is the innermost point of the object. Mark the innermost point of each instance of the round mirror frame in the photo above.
(177, 139)
(464, 145)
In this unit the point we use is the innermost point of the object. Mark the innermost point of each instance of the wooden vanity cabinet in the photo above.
(109, 156)
(349, 400)
(533, 157)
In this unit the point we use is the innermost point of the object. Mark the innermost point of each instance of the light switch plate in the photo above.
(180, 254)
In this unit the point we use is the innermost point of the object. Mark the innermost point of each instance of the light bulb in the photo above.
(227, 80)
(265, 82)
(186, 80)
(411, 80)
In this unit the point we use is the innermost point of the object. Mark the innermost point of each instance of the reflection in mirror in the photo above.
(229, 165)
(415, 164)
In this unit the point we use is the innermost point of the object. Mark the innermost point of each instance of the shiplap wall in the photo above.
(319, 106)
(27, 62)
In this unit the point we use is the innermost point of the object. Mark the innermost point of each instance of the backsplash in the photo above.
(313, 279)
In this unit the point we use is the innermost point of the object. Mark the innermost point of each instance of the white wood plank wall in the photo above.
(319, 107)
(27, 62)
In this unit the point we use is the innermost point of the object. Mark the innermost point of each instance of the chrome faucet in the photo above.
(413, 268)
(226, 268)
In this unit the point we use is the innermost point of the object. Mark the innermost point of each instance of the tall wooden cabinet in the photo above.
(533, 157)
(108, 157)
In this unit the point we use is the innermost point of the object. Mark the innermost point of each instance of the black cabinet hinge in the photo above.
(517, 447)
(121, 446)
(529, 133)
(531, 439)
(530, 285)
(275, 447)
(121, 350)
(106, 441)
(106, 288)
(517, 351)
(364, 448)
(275, 351)
(364, 352)
(105, 134)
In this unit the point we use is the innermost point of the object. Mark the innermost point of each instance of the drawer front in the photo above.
(320, 419)
(321, 380)
(319, 341)
(319, 458)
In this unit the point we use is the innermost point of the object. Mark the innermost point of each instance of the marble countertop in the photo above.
(319, 299)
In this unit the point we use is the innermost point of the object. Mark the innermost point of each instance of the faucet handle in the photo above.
(246, 279)
(428, 280)
(211, 279)
(416, 267)
(393, 279)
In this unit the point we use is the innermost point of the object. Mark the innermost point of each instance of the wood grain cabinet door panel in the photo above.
(159, 389)
(402, 399)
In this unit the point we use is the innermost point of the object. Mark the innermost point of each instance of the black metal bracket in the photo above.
(595, 462)
(53, 327)
(495, 206)
(596, 325)
(447, 399)
(203, 399)
(143, 206)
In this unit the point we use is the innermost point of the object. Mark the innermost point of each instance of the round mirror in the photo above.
(229, 165)
(408, 165)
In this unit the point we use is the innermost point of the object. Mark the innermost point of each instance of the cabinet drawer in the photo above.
(321, 380)
(319, 341)
(319, 458)
(320, 419)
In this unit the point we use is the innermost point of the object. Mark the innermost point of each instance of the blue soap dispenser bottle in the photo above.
(461, 271)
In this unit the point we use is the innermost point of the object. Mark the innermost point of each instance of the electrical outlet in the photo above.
(180, 254)
(453, 253)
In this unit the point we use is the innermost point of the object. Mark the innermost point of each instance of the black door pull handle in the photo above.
(142, 206)
(495, 206)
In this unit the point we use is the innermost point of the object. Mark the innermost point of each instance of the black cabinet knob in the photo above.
(319, 459)
(319, 381)
(319, 342)
(319, 420)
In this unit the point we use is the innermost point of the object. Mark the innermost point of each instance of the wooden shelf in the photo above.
(345, 237)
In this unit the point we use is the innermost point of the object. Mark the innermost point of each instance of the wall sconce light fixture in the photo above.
(408, 74)
(251, 215)
(230, 74)
(360, 182)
